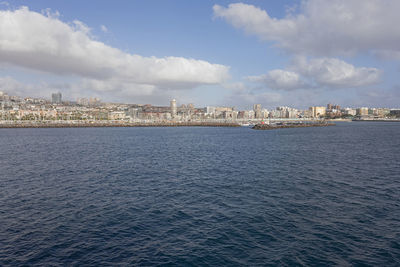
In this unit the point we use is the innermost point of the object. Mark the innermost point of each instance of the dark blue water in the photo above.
(201, 196)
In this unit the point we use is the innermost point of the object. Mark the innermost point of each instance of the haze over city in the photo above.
(295, 53)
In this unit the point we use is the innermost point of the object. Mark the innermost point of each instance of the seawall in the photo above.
(300, 125)
(115, 124)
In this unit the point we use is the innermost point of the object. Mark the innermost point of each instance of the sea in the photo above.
(201, 196)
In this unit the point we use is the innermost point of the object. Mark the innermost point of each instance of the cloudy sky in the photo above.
(295, 53)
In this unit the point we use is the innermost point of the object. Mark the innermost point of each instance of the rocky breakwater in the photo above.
(292, 125)
(74, 124)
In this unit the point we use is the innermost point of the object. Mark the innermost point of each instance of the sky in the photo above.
(275, 53)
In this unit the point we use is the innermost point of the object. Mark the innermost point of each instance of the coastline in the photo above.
(376, 120)
(115, 124)
(300, 125)
(98, 124)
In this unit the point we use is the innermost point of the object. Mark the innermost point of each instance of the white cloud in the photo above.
(116, 85)
(323, 28)
(45, 43)
(280, 80)
(103, 28)
(48, 12)
(333, 72)
(319, 73)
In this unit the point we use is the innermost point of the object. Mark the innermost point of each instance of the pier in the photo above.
(289, 125)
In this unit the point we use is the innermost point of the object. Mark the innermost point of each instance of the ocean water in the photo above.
(201, 196)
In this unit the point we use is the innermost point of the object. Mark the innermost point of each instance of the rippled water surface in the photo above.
(201, 196)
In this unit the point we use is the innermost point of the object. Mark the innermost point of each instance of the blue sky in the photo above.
(295, 53)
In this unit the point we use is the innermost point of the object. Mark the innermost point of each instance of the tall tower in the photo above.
(56, 98)
(173, 108)
(257, 111)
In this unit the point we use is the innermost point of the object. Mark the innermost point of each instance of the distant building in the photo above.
(245, 114)
(133, 113)
(285, 112)
(306, 114)
(382, 112)
(264, 113)
(56, 98)
(257, 111)
(317, 112)
(173, 107)
(82, 101)
(116, 115)
(94, 102)
(395, 112)
(219, 112)
(337, 107)
(210, 110)
(350, 111)
(362, 111)
(230, 114)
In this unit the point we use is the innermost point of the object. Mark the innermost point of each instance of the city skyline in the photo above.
(58, 98)
(15, 108)
(215, 53)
